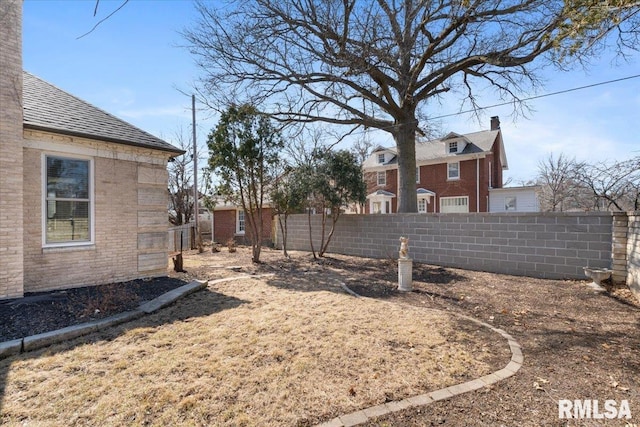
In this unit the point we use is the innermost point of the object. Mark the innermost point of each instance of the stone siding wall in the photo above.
(130, 216)
(546, 245)
(633, 253)
(11, 163)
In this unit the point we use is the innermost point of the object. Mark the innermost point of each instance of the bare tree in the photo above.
(613, 185)
(181, 182)
(361, 149)
(556, 177)
(377, 64)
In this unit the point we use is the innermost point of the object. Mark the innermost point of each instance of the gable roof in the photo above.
(49, 108)
(436, 149)
(477, 142)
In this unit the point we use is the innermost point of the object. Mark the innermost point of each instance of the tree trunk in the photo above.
(324, 222)
(325, 245)
(405, 138)
(257, 238)
(283, 231)
(253, 225)
(313, 251)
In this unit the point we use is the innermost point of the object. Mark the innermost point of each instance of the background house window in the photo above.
(510, 203)
(422, 205)
(382, 178)
(453, 147)
(240, 225)
(68, 201)
(417, 174)
(453, 170)
(381, 158)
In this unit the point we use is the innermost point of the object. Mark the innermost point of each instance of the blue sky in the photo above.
(134, 67)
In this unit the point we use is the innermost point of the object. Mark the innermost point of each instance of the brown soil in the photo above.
(577, 344)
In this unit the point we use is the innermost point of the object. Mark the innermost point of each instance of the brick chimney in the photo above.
(495, 123)
(11, 146)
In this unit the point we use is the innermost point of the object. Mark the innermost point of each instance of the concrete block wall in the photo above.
(545, 245)
(11, 163)
(619, 247)
(633, 253)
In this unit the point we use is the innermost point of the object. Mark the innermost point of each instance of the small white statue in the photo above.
(404, 247)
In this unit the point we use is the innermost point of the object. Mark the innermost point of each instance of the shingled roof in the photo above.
(49, 108)
(436, 149)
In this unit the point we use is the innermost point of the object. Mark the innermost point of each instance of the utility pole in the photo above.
(196, 204)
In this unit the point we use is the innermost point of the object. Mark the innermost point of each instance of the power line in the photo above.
(539, 96)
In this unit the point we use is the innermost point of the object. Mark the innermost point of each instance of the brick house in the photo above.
(453, 174)
(229, 223)
(83, 194)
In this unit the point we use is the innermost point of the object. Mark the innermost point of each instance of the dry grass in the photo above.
(247, 352)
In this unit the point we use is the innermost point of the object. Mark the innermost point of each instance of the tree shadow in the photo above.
(572, 341)
(373, 278)
(199, 304)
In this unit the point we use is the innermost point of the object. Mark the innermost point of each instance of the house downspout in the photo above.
(490, 175)
(477, 184)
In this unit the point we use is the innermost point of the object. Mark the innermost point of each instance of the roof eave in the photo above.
(174, 152)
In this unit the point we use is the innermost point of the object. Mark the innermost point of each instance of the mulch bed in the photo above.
(40, 312)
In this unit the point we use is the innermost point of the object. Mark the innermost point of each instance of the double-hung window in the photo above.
(68, 201)
(382, 177)
(453, 170)
(240, 224)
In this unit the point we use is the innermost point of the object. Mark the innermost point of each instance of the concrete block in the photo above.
(10, 348)
(420, 400)
(117, 319)
(398, 405)
(353, 418)
(45, 339)
(441, 394)
(169, 297)
(332, 423)
(376, 411)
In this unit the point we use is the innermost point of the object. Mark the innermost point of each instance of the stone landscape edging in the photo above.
(21, 345)
(34, 342)
(364, 415)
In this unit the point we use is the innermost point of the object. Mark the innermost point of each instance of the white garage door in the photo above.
(454, 204)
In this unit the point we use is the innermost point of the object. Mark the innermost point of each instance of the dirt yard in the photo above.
(577, 344)
(291, 347)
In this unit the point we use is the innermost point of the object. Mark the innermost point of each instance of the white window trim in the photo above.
(417, 174)
(382, 174)
(453, 145)
(92, 202)
(238, 231)
(383, 200)
(381, 158)
(449, 177)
